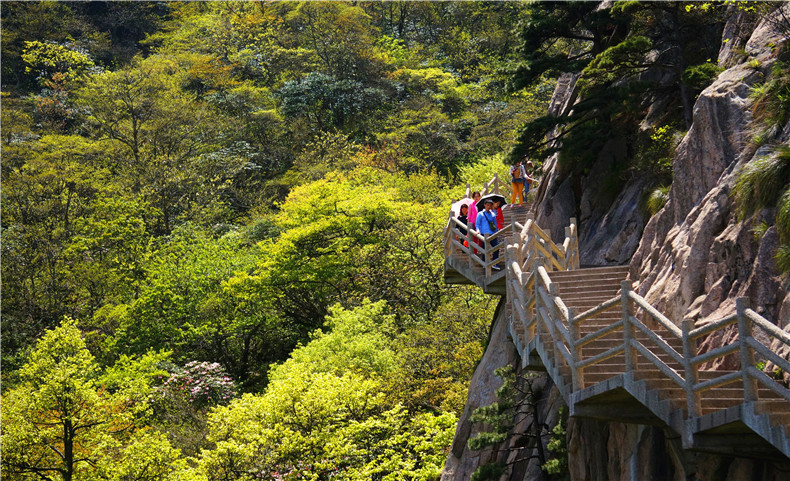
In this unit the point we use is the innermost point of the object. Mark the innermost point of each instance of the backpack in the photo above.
(515, 171)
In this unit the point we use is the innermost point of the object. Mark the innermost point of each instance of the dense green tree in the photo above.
(327, 103)
(108, 32)
(167, 136)
(251, 172)
(68, 246)
(65, 422)
(326, 413)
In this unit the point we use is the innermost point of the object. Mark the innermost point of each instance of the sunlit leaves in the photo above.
(60, 419)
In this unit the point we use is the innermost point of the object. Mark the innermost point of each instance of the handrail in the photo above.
(668, 325)
(554, 329)
(657, 340)
(604, 306)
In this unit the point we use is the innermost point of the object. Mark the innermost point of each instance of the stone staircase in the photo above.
(614, 357)
(649, 397)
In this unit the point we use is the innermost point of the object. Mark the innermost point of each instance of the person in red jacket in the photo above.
(500, 217)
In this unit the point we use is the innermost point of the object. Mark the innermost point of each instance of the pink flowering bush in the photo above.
(201, 384)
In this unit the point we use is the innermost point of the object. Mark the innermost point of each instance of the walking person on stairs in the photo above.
(518, 176)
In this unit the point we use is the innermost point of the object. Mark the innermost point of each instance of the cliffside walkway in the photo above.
(615, 357)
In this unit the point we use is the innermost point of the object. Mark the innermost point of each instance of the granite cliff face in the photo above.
(690, 260)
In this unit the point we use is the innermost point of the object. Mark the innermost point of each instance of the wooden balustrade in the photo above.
(546, 321)
(545, 318)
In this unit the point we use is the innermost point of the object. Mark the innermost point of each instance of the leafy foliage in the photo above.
(619, 54)
(215, 189)
(326, 413)
(60, 419)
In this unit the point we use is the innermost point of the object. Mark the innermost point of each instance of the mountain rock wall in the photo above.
(690, 260)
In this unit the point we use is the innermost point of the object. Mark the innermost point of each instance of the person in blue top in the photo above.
(486, 224)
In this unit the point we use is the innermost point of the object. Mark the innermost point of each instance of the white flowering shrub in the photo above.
(201, 384)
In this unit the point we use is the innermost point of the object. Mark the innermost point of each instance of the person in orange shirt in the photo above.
(518, 177)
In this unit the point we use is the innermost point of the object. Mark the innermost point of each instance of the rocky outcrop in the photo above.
(691, 261)
(695, 256)
(462, 461)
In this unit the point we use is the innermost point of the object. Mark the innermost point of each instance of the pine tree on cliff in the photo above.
(628, 56)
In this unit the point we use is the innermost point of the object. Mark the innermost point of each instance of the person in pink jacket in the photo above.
(473, 209)
(472, 216)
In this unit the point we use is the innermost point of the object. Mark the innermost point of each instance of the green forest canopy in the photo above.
(221, 238)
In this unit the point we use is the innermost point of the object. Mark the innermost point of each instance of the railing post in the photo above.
(577, 373)
(470, 240)
(449, 250)
(510, 298)
(567, 252)
(516, 242)
(496, 184)
(556, 315)
(468, 191)
(487, 257)
(747, 353)
(536, 264)
(691, 373)
(575, 243)
(628, 335)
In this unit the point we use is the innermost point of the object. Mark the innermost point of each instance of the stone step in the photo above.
(672, 389)
(591, 289)
(616, 338)
(589, 302)
(588, 271)
(569, 276)
(666, 358)
(772, 406)
(780, 419)
(609, 280)
(616, 364)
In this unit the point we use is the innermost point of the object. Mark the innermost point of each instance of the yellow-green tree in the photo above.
(62, 422)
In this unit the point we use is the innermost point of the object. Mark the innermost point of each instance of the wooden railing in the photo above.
(481, 249)
(540, 320)
(493, 186)
(544, 318)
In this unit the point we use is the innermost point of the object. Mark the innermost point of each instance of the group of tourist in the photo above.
(486, 217)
